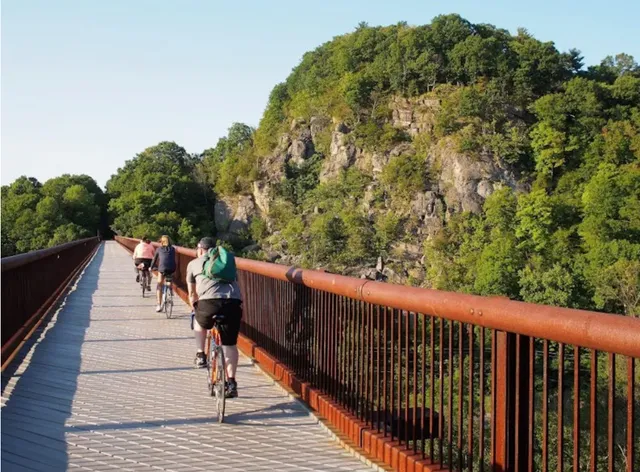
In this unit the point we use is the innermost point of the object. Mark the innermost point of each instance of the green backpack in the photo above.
(220, 265)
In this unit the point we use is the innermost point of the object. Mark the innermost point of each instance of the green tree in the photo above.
(36, 216)
(156, 190)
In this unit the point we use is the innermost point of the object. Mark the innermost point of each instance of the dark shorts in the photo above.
(167, 273)
(147, 262)
(227, 312)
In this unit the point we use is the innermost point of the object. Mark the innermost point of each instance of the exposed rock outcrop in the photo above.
(416, 115)
(466, 181)
(233, 216)
(456, 182)
(342, 154)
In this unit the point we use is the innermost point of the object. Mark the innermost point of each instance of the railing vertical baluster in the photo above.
(545, 403)
(407, 327)
(470, 419)
(630, 410)
(441, 400)
(400, 317)
(576, 408)
(423, 399)
(385, 379)
(560, 407)
(415, 381)
(481, 418)
(593, 444)
(371, 367)
(378, 335)
(432, 388)
(612, 407)
(494, 445)
(450, 400)
(532, 355)
(517, 404)
(460, 392)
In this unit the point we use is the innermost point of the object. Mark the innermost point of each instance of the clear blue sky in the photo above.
(87, 84)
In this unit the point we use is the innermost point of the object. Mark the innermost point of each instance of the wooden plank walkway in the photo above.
(109, 384)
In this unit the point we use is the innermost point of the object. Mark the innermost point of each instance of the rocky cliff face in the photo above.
(458, 182)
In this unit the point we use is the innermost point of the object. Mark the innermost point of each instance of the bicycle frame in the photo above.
(166, 287)
(217, 370)
(213, 340)
(167, 295)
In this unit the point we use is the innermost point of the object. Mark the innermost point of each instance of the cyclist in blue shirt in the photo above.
(165, 259)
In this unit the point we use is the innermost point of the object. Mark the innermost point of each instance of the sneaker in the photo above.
(201, 360)
(158, 308)
(231, 389)
(138, 278)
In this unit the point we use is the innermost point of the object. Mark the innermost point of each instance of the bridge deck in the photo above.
(109, 384)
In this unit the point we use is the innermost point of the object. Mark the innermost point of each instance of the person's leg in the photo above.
(229, 329)
(159, 291)
(202, 323)
(200, 335)
(148, 265)
(136, 262)
(231, 358)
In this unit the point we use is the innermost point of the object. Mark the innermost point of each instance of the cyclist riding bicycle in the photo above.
(143, 254)
(219, 302)
(165, 259)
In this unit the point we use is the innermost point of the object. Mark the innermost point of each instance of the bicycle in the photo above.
(167, 295)
(145, 279)
(216, 368)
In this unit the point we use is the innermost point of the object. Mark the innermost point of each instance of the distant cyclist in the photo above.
(143, 254)
(165, 259)
(215, 299)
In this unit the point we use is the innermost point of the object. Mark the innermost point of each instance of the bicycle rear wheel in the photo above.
(220, 383)
(143, 281)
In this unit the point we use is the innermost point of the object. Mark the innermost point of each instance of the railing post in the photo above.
(512, 403)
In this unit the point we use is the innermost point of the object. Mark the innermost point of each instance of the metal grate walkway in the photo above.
(108, 384)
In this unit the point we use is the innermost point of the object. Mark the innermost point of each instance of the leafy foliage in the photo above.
(36, 216)
(157, 193)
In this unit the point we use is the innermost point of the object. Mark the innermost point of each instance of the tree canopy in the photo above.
(36, 216)
(158, 192)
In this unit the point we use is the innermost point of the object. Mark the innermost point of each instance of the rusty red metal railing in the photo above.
(32, 282)
(430, 380)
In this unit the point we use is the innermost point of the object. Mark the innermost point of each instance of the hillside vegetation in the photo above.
(452, 155)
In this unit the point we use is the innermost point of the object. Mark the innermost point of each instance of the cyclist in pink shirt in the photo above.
(143, 254)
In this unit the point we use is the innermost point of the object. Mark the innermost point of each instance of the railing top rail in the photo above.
(588, 329)
(19, 260)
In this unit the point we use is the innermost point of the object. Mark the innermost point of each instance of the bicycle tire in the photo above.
(168, 303)
(211, 371)
(221, 377)
(143, 279)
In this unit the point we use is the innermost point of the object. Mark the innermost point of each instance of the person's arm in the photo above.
(191, 286)
(154, 260)
(133, 256)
